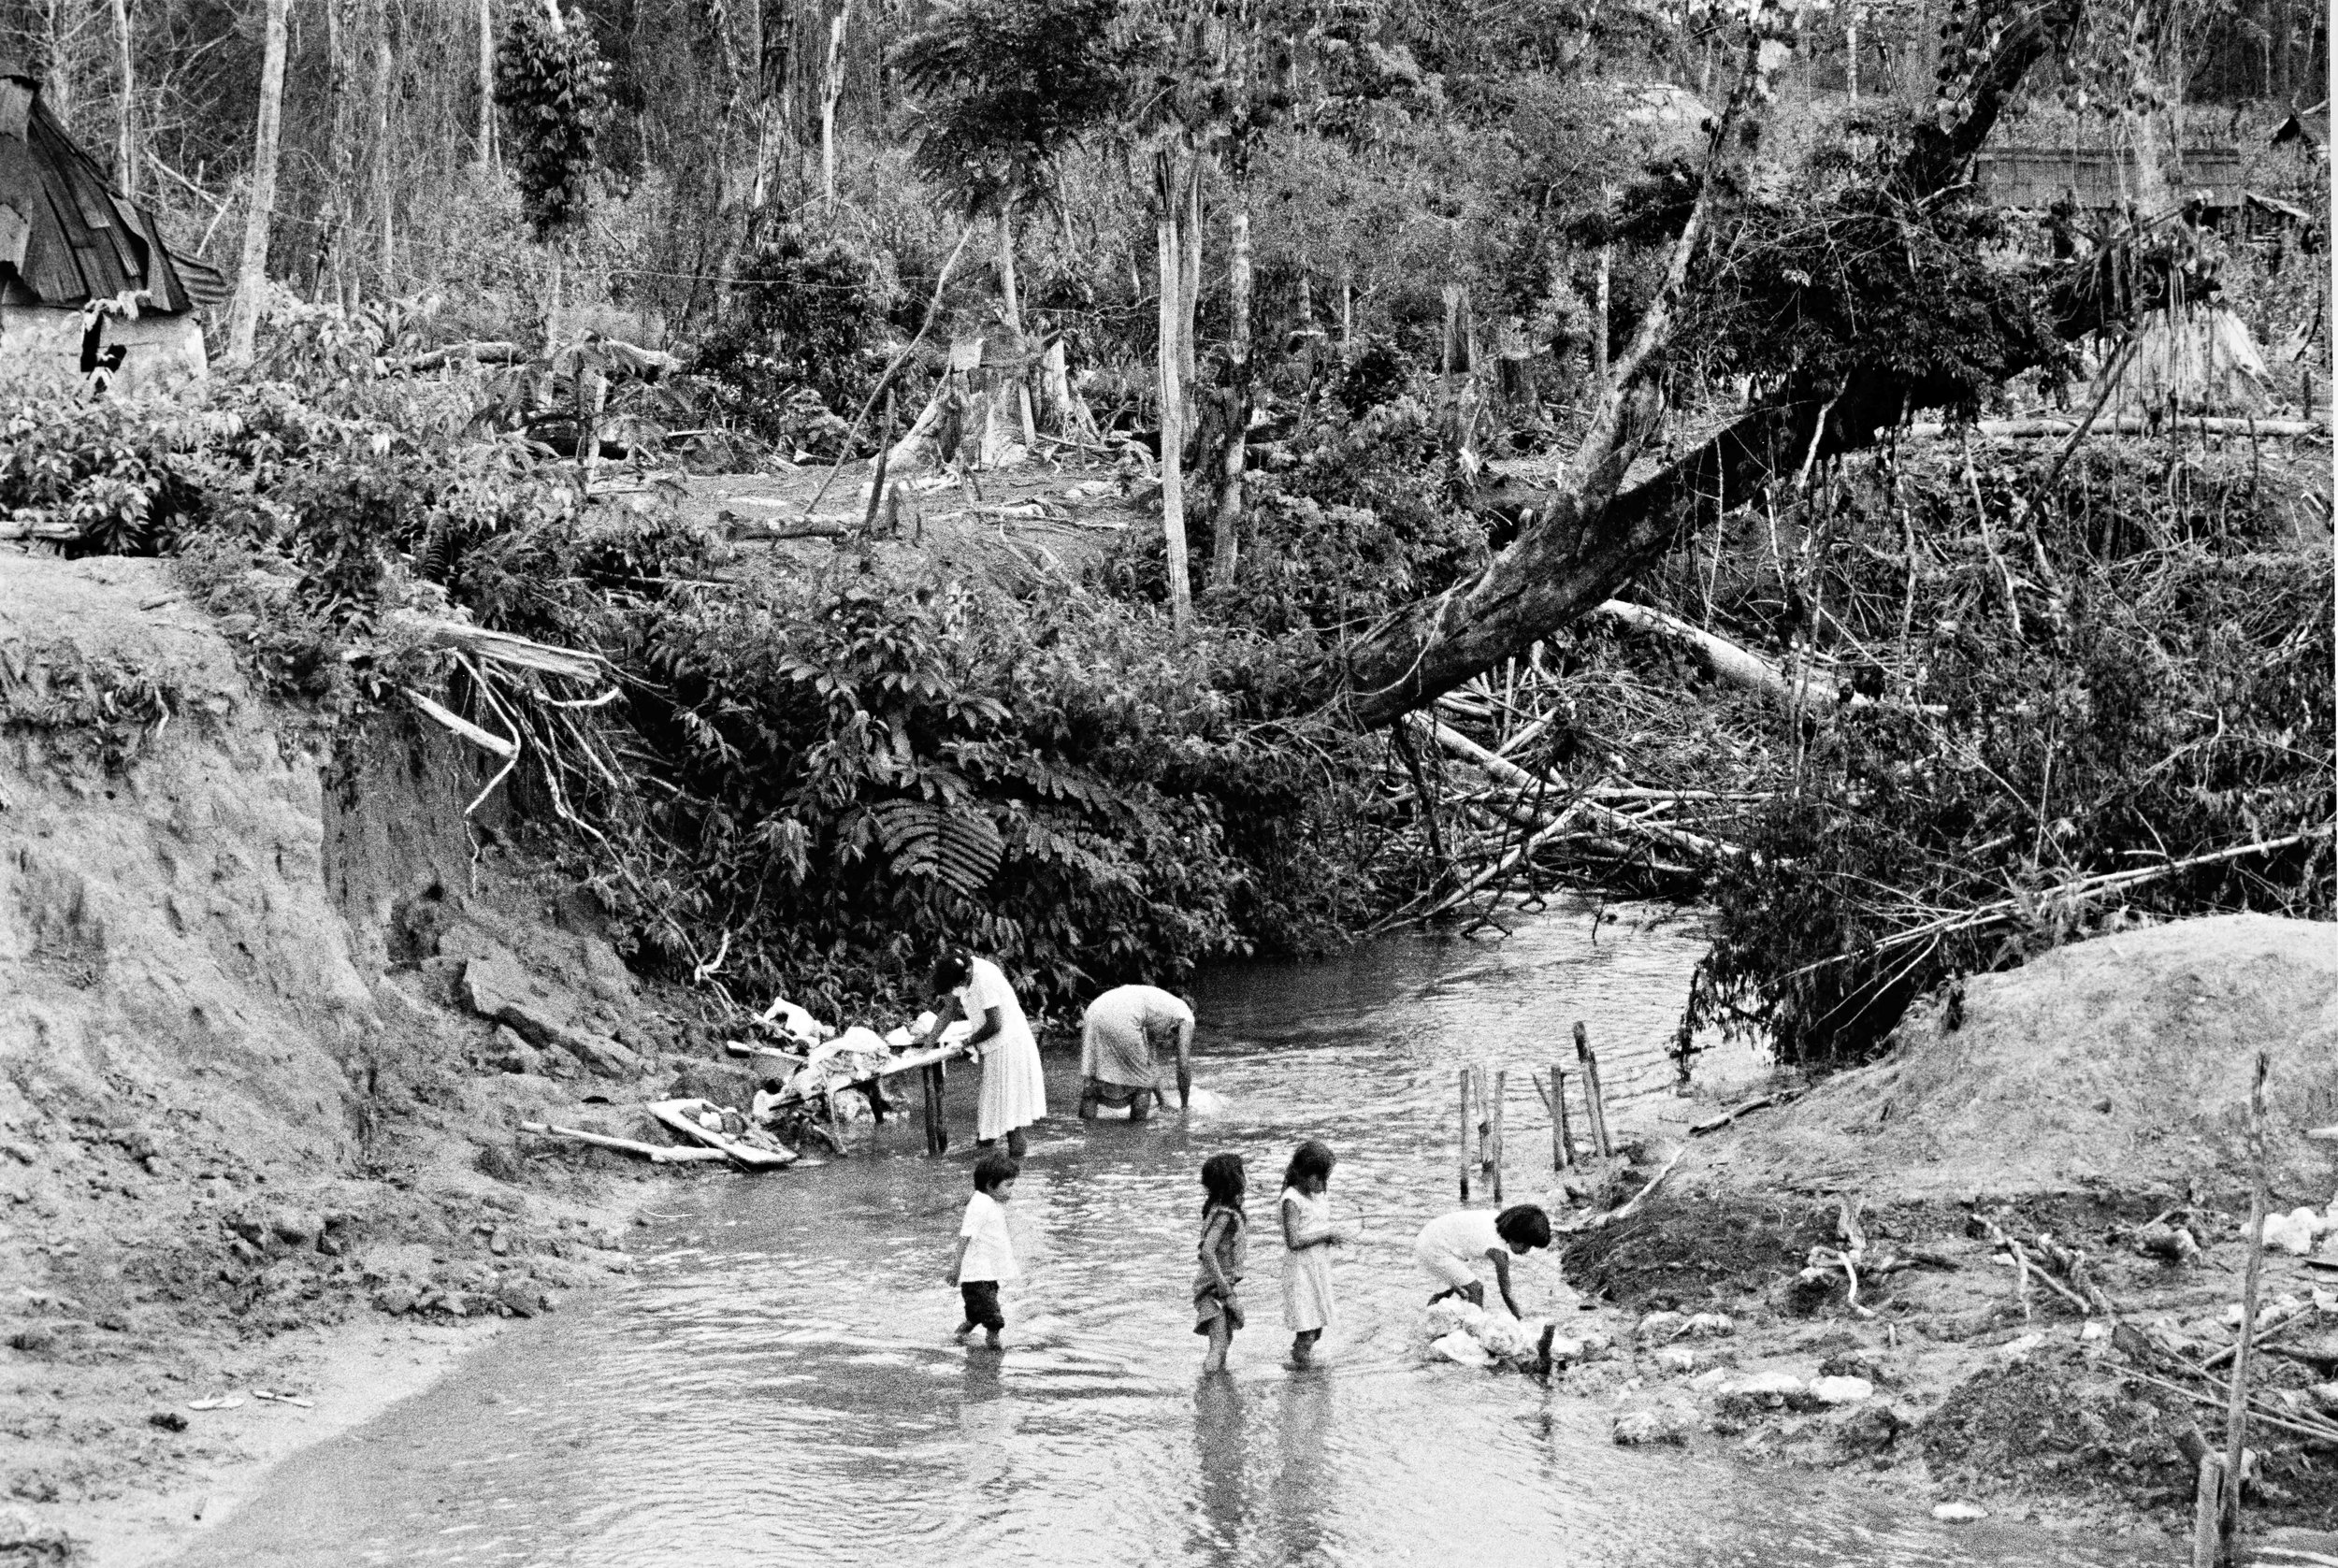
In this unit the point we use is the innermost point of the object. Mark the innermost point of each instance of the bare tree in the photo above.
(243, 318)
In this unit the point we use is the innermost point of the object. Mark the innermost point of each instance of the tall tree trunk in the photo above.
(126, 135)
(56, 86)
(486, 84)
(243, 317)
(831, 90)
(1172, 250)
(384, 171)
(340, 156)
(1226, 532)
(1190, 276)
(759, 98)
(1013, 299)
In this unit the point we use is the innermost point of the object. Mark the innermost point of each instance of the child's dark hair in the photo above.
(1524, 1225)
(1222, 1178)
(1311, 1158)
(994, 1168)
(775, 1085)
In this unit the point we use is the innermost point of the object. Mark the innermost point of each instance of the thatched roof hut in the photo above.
(86, 280)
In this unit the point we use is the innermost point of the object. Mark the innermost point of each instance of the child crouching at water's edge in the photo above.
(1307, 1232)
(1224, 1250)
(985, 1254)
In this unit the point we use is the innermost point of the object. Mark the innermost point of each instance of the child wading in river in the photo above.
(1226, 1248)
(1308, 1232)
(985, 1254)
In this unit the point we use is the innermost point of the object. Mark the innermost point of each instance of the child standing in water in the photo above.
(985, 1254)
(1224, 1250)
(1307, 1230)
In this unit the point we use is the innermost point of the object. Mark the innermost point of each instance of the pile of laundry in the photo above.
(829, 1060)
(1469, 1335)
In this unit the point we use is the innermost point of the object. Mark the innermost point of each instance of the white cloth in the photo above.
(1014, 1087)
(990, 1250)
(1118, 1030)
(1451, 1248)
(1307, 1271)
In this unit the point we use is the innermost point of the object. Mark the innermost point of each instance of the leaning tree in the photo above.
(1894, 313)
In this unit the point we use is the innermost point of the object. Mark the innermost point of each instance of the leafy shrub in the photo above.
(797, 340)
(2168, 696)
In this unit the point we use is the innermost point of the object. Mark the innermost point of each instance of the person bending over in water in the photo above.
(1450, 1247)
(1224, 1250)
(1127, 1037)
(985, 1254)
(1014, 1087)
(1308, 1232)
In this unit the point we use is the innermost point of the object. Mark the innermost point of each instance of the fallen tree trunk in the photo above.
(2128, 424)
(495, 352)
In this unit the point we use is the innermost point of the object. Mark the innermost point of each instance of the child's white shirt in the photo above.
(990, 1250)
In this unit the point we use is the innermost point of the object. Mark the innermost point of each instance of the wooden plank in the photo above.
(746, 1156)
(650, 1152)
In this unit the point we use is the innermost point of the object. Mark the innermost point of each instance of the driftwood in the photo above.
(748, 530)
(651, 1152)
(1784, 1097)
(502, 647)
(1607, 817)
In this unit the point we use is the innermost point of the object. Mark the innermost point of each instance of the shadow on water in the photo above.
(779, 1387)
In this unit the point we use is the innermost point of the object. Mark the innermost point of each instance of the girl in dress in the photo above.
(1224, 1251)
(1307, 1230)
(1014, 1087)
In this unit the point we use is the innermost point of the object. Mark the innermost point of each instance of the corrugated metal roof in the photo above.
(84, 240)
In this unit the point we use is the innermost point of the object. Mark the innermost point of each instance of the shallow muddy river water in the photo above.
(779, 1388)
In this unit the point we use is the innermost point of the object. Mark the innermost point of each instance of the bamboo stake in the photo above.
(1562, 1138)
(1464, 1135)
(2237, 1415)
(1594, 1102)
(1501, 1094)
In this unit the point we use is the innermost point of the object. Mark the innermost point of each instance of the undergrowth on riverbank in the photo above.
(804, 782)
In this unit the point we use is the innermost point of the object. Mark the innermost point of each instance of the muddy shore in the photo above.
(2088, 1110)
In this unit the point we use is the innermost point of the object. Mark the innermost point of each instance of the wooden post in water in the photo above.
(1501, 1093)
(1484, 1081)
(1464, 1135)
(1595, 1103)
(1562, 1136)
(937, 1139)
(2236, 1421)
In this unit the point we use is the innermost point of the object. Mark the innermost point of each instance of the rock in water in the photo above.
(1664, 1424)
(1958, 1513)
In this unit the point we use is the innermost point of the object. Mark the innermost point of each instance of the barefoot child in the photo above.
(985, 1255)
(1308, 1232)
(1226, 1248)
(1450, 1248)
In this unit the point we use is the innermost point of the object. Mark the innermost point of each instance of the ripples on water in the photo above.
(779, 1388)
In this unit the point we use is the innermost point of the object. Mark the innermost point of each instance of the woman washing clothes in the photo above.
(1127, 1037)
(1014, 1089)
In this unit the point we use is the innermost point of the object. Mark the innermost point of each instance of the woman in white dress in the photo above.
(1014, 1089)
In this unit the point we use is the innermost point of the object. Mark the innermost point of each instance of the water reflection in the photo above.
(1303, 1481)
(1222, 1445)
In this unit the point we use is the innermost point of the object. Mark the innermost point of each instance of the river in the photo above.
(778, 1385)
